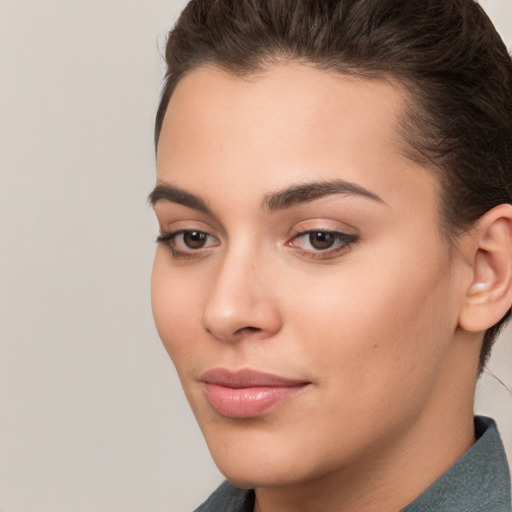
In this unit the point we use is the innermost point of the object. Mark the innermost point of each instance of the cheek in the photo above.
(175, 302)
(374, 325)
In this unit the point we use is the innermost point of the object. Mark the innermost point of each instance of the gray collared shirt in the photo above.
(478, 482)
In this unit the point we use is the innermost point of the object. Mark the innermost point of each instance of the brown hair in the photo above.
(446, 53)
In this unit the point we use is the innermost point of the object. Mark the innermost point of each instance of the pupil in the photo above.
(194, 239)
(321, 240)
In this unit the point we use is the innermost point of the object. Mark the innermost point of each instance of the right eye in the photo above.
(322, 243)
(187, 242)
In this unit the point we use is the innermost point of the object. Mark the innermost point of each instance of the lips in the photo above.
(247, 393)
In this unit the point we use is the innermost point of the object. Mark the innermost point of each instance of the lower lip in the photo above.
(248, 402)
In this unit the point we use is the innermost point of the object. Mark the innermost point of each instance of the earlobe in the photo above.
(489, 295)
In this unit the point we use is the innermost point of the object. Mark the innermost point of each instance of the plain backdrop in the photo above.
(92, 417)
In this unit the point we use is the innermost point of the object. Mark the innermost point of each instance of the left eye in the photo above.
(317, 240)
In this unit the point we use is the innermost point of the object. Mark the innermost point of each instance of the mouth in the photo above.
(247, 393)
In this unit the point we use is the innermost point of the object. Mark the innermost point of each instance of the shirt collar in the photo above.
(479, 480)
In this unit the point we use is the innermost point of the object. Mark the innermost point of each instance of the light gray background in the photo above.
(92, 417)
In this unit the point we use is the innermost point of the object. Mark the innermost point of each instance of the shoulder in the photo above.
(228, 498)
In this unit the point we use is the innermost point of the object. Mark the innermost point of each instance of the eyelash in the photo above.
(342, 242)
(168, 239)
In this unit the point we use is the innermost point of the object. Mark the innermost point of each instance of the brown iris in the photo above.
(322, 239)
(194, 239)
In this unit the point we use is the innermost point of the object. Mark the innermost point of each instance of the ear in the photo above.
(489, 296)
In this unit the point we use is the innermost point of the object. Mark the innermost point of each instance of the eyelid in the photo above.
(344, 239)
(165, 237)
(319, 225)
(168, 238)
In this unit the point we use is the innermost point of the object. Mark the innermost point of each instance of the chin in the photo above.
(260, 462)
(252, 478)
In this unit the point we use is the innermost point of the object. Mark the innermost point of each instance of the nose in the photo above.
(242, 302)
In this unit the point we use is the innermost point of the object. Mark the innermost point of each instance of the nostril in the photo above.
(248, 329)
(236, 334)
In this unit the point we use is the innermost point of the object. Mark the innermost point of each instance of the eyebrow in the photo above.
(281, 200)
(304, 193)
(172, 194)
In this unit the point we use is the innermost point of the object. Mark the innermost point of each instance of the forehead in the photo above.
(299, 99)
(288, 124)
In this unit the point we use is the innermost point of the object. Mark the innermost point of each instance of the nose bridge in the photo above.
(240, 300)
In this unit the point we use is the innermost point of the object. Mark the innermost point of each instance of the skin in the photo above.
(373, 326)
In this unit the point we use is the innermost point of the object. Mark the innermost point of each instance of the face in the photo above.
(301, 285)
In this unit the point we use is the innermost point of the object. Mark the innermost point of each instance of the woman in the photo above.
(335, 249)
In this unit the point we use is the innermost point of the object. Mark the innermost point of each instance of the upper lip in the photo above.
(247, 378)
